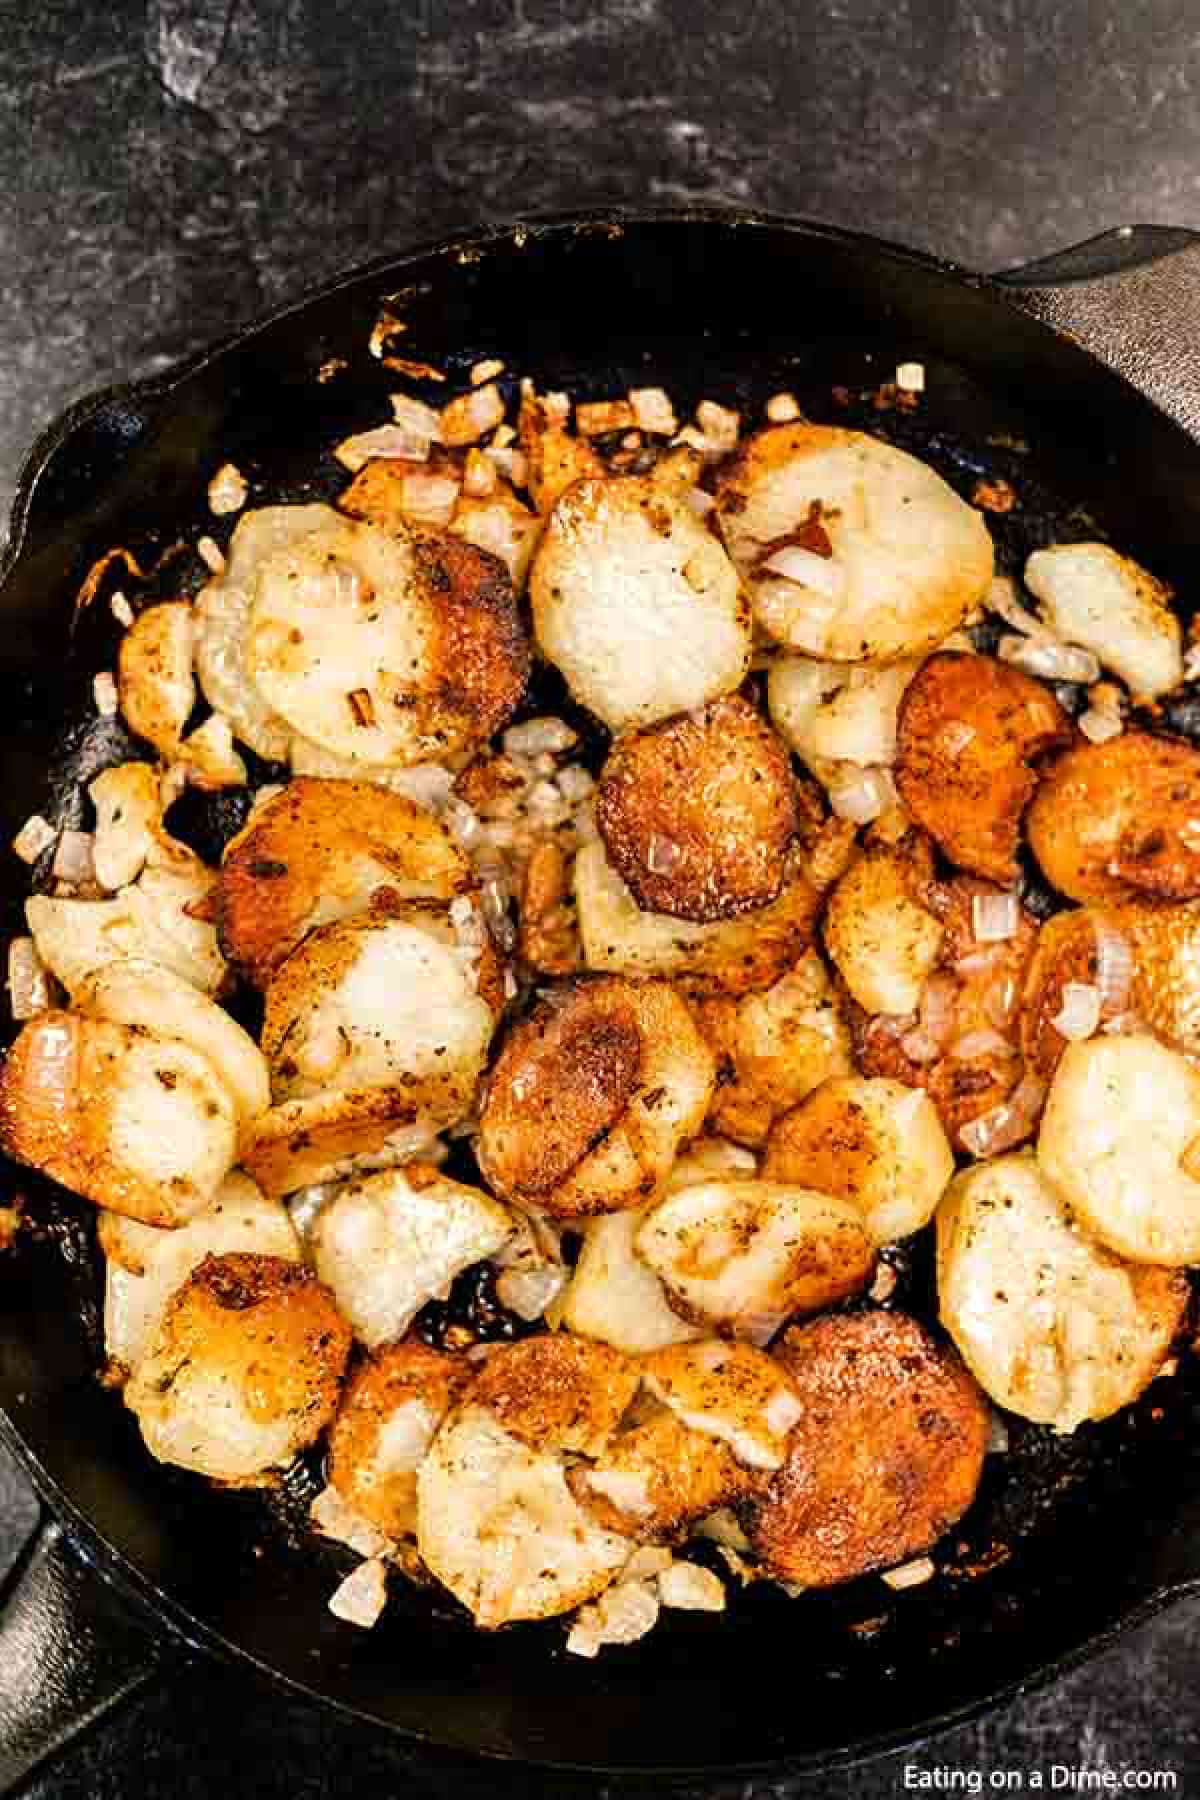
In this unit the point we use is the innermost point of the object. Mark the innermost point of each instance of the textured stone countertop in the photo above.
(171, 167)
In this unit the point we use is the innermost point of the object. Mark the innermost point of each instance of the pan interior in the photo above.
(1068, 1535)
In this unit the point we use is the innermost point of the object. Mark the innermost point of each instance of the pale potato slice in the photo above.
(245, 1370)
(1053, 1326)
(498, 1525)
(557, 1392)
(697, 814)
(730, 956)
(388, 1243)
(148, 995)
(834, 712)
(773, 1048)
(657, 1479)
(637, 603)
(728, 1391)
(149, 919)
(904, 559)
(145, 1266)
(747, 1254)
(128, 830)
(591, 1097)
(154, 674)
(319, 851)
(884, 942)
(390, 1409)
(385, 648)
(614, 1296)
(378, 1003)
(878, 1144)
(139, 1124)
(1110, 605)
(1120, 1117)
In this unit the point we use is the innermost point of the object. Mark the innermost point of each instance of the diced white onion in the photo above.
(795, 563)
(1049, 659)
(653, 411)
(28, 980)
(1099, 724)
(1079, 1014)
(390, 442)
(487, 370)
(211, 554)
(335, 1518)
(994, 917)
(782, 409)
(479, 474)
(431, 499)
(228, 490)
(910, 1574)
(1114, 964)
(910, 377)
(691, 1588)
(719, 424)
(469, 417)
(362, 1596)
(104, 691)
(1001, 598)
(1003, 1126)
(121, 610)
(919, 1047)
(35, 836)
(420, 420)
(537, 736)
(984, 1042)
(427, 783)
(863, 795)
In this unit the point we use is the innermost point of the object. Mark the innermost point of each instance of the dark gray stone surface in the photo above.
(167, 169)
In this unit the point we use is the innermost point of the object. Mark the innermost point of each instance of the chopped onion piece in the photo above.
(691, 1588)
(782, 409)
(431, 499)
(487, 370)
(121, 610)
(28, 980)
(1001, 598)
(910, 377)
(984, 1042)
(863, 795)
(211, 554)
(593, 418)
(479, 474)
(73, 858)
(104, 691)
(919, 1047)
(420, 420)
(994, 917)
(390, 442)
(1049, 659)
(362, 1596)
(228, 490)
(335, 1518)
(807, 569)
(1099, 724)
(620, 1616)
(536, 736)
(1010, 1123)
(653, 411)
(471, 416)
(1079, 1014)
(1114, 964)
(35, 836)
(910, 1574)
(719, 424)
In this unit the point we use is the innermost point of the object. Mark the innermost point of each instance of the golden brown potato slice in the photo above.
(558, 1392)
(329, 1137)
(637, 603)
(154, 674)
(876, 1143)
(886, 1455)
(1091, 950)
(969, 730)
(1054, 1326)
(591, 1097)
(773, 1048)
(657, 1479)
(142, 1125)
(732, 956)
(246, 1369)
(698, 813)
(1119, 820)
(1165, 942)
(390, 1409)
(879, 931)
(325, 850)
(893, 560)
(728, 1391)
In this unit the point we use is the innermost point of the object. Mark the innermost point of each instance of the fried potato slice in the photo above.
(728, 1391)
(128, 831)
(388, 1243)
(773, 1048)
(637, 603)
(1054, 1327)
(732, 956)
(154, 674)
(1089, 947)
(656, 1480)
(389, 1411)
(498, 1525)
(557, 1392)
(139, 1124)
(145, 1266)
(875, 1143)
(969, 730)
(555, 460)
(319, 851)
(155, 999)
(881, 936)
(615, 1297)
(905, 559)
(1119, 820)
(1165, 942)
(245, 1370)
(744, 1255)
(1110, 605)
(156, 917)
(332, 1136)
(1121, 1115)
(379, 1003)
(697, 813)
(838, 712)
(386, 649)
(591, 1097)
(885, 1457)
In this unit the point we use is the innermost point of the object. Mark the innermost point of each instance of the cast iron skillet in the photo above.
(1070, 1540)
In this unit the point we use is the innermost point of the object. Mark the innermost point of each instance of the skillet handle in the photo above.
(1132, 298)
(70, 1651)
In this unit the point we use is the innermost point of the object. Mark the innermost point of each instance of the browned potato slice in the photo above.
(554, 459)
(154, 674)
(887, 1453)
(391, 1407)
(969, 729)
(591, 1097)
(697, 813)
(246, 1369)
(558, 1392)
(1088, 947)
(1117, 820)
(1165, 942)
(324, 850)
(877, 1143)
(879, 929)
(731, 956)
(142, 1125)
(327, 1136)
(773, 1048)
(659, 1478)
(729, 1391)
